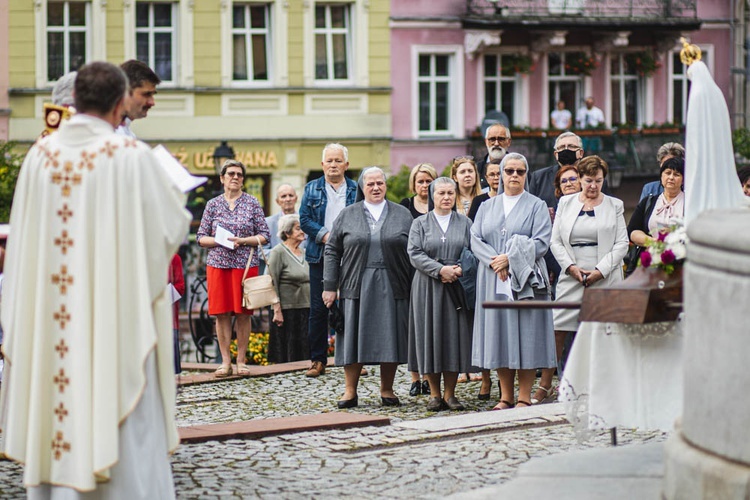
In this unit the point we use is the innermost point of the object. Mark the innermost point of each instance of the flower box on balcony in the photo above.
(660, 131)
(593, 132)
(519, 134)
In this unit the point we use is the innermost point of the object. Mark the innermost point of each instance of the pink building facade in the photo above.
(455, 61)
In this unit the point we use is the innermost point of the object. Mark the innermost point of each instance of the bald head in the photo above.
(286, 198)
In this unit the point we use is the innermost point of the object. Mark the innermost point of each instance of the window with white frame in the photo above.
(564, 81)
(500, 86)
(627, 98)
(681, 87)
(68, 37)
(251, 42)
(434, 92)
(155, 38)
(332, 42)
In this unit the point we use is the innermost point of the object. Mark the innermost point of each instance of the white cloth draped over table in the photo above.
(620, 375)
(96, 223)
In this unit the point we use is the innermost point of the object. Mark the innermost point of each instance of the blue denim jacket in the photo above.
(312, 215)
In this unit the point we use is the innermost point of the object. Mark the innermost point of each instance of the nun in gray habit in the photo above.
(510, 235)
(366, 261)
(439, 320)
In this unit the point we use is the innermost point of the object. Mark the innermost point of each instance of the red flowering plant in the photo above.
(667, 250)
(578, 63)
(644, 63)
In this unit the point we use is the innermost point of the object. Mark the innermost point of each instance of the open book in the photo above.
(175, 171)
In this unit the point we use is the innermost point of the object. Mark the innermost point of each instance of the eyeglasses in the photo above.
(463, 157)
(492, 140)
(569, 147)
(571, 180)
(518, 171)
(235, 174)
(493, 176)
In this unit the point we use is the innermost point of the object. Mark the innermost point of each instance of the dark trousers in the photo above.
(318, 327)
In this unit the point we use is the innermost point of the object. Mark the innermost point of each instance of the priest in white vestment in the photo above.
(87, 404)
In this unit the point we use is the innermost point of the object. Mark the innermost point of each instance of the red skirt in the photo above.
(225, 290)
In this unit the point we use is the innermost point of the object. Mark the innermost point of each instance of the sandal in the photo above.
(508, 405)
(223, 371)
(525, 404)
(547, 395)
(243, 370)
(462, 377)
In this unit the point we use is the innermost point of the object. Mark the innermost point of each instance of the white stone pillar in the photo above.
(709, 454)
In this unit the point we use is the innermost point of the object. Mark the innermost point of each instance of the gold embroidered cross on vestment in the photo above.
(64, 242)
(65, 213)
(61, 348)
(59, 445)
(63, 316)
(63, 280)
(61, 412)
(61, 381)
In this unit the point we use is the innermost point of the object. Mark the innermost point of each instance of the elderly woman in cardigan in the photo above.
(510, 236)
(366, 261)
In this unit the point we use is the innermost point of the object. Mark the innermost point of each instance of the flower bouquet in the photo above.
(667, 250)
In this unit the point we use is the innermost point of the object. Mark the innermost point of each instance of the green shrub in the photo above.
(10, 166)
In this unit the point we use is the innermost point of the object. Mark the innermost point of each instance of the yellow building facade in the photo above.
(276, 79)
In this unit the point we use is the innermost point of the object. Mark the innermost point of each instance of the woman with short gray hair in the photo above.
(367, 263)
(291, 277)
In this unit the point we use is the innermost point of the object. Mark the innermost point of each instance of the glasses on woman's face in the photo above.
(493, 175)
(239, 175)
(518, 171)
(569, 180)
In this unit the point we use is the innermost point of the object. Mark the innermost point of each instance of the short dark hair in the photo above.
(232, 163)
(139, 72)
(676, 164)
(590, 164)
(744, 174)
(99, 87)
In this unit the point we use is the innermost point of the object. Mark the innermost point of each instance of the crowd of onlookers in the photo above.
(404, 283)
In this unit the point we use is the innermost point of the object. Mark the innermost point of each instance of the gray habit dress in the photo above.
(375, 325)
(511, 338)
(439, 335)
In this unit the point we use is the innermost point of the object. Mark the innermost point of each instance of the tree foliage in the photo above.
(10, 166)
(741, 141)
(398, 185)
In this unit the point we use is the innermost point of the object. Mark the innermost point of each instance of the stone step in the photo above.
(617, 473)
(272, 426)
(205, 371)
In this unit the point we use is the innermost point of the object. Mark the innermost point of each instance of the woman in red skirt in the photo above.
(241, 215)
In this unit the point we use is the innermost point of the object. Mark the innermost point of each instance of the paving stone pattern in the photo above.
(370, 462)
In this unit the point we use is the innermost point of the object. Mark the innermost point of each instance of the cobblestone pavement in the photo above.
(368, 462)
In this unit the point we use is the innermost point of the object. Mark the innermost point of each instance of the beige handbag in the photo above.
(258, 291)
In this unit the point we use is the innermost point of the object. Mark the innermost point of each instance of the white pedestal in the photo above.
(709, 455)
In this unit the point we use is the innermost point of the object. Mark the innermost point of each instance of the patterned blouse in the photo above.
(247, 219)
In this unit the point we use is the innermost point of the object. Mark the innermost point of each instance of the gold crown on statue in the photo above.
(689, 53)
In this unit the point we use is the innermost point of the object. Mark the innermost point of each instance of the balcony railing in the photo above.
(623, 9)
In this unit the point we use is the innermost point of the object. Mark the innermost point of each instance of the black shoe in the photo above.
(425, 387)
(436, 404)
(483, 397)
(454, 404)
(390, 401)
(348, 403)
(416, 388)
